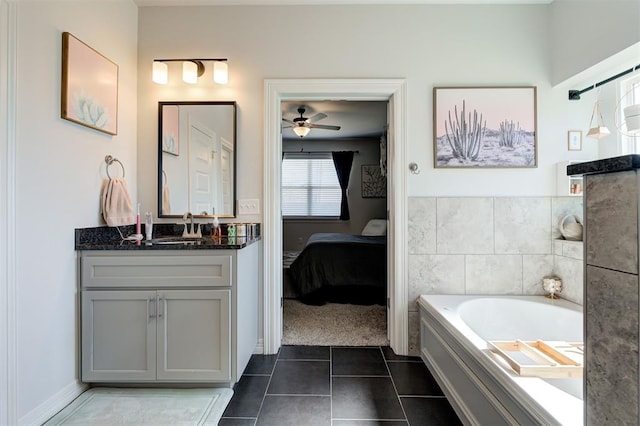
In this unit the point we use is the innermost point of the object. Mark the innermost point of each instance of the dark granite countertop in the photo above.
(108, 238)
(606, 165)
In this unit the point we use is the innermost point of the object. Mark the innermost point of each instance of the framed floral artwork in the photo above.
(89, 86)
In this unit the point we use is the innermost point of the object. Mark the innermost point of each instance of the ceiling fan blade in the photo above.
(287, 120)
(287, 127)
(323, 126)
(319, 116)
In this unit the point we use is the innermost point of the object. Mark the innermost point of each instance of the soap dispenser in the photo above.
(216, 232)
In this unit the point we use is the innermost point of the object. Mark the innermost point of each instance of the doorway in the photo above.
(334, 267)
(391, 90)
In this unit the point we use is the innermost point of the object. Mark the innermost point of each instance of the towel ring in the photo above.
(164, 175)
(110, 160)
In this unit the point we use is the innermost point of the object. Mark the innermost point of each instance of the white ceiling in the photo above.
(357, 119)
(143, 3)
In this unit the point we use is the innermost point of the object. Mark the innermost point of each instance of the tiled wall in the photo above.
(489, 245)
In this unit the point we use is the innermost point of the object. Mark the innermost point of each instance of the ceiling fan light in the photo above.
(632, 118)
(301, 131)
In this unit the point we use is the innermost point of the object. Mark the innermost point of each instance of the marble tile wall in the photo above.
(488, 245)
(568, 264)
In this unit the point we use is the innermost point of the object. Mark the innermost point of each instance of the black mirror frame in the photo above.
(160, 151)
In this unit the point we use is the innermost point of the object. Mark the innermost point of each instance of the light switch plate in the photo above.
(249, 206)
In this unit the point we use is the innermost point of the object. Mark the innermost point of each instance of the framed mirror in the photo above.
(197, 159)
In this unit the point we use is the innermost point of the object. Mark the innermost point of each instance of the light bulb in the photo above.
(160, 73)
(190, 72)
(301, 131)
(220, 72)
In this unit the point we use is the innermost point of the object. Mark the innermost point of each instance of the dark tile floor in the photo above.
(337, 386)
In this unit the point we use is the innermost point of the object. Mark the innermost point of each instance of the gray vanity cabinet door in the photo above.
(118, 335)
(194, 335)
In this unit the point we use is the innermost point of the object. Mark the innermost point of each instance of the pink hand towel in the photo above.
(117, 208)
(166, 203)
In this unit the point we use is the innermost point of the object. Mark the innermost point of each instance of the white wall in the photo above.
(428, 45)
(59, 169)
(7, 283)
(587, 32)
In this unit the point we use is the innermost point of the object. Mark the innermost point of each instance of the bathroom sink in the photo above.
(175, 240)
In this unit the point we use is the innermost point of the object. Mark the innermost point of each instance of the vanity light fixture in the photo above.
(192, 69)
(160, 72)
(220, 72)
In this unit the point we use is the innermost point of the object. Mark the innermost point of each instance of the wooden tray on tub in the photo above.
(547, 359)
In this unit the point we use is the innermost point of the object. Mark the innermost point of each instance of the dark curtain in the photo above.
(343, 160)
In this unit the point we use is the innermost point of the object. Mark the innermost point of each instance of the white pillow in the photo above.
(375, 227)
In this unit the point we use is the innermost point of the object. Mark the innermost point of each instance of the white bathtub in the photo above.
(454, 331)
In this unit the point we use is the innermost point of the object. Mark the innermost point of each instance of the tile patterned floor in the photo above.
(337, 386)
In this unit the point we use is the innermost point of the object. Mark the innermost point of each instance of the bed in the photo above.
(341, 268)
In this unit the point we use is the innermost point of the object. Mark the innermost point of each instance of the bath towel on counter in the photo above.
(117, 208)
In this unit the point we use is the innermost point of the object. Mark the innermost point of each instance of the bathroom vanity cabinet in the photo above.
(168, 315)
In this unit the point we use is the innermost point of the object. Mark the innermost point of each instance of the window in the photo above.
(310, 186)
(630, 95)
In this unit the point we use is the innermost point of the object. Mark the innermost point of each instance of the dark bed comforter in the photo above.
(341, 268)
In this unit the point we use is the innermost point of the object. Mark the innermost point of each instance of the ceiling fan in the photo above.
(302, 125)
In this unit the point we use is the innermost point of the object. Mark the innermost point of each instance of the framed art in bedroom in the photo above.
(485, 127)
(89, 93)
(374, 184)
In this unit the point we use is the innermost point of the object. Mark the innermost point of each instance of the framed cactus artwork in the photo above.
(485, 127)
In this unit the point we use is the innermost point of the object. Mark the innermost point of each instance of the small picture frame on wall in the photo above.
(574, 140)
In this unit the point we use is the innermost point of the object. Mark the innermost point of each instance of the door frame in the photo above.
(392, 90)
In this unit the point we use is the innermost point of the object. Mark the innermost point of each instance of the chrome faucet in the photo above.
(188, 216)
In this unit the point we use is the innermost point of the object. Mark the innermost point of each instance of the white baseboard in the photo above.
(259, 350)
(53, 405)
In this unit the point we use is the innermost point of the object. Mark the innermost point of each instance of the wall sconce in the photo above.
(191, 70)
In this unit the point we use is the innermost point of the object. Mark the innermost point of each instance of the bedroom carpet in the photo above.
(334, 324)
(111, 406)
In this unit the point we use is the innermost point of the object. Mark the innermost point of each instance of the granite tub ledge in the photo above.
(108, 238)
(606, 165)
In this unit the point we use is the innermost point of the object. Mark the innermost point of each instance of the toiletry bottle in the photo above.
(138, 230)
(148, 225)
(216, 232)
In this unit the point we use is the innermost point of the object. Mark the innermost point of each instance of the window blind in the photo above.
(310, 185)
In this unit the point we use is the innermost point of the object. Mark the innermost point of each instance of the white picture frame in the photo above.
(574, 140)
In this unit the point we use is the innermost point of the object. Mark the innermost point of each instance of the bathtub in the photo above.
(481, 387)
